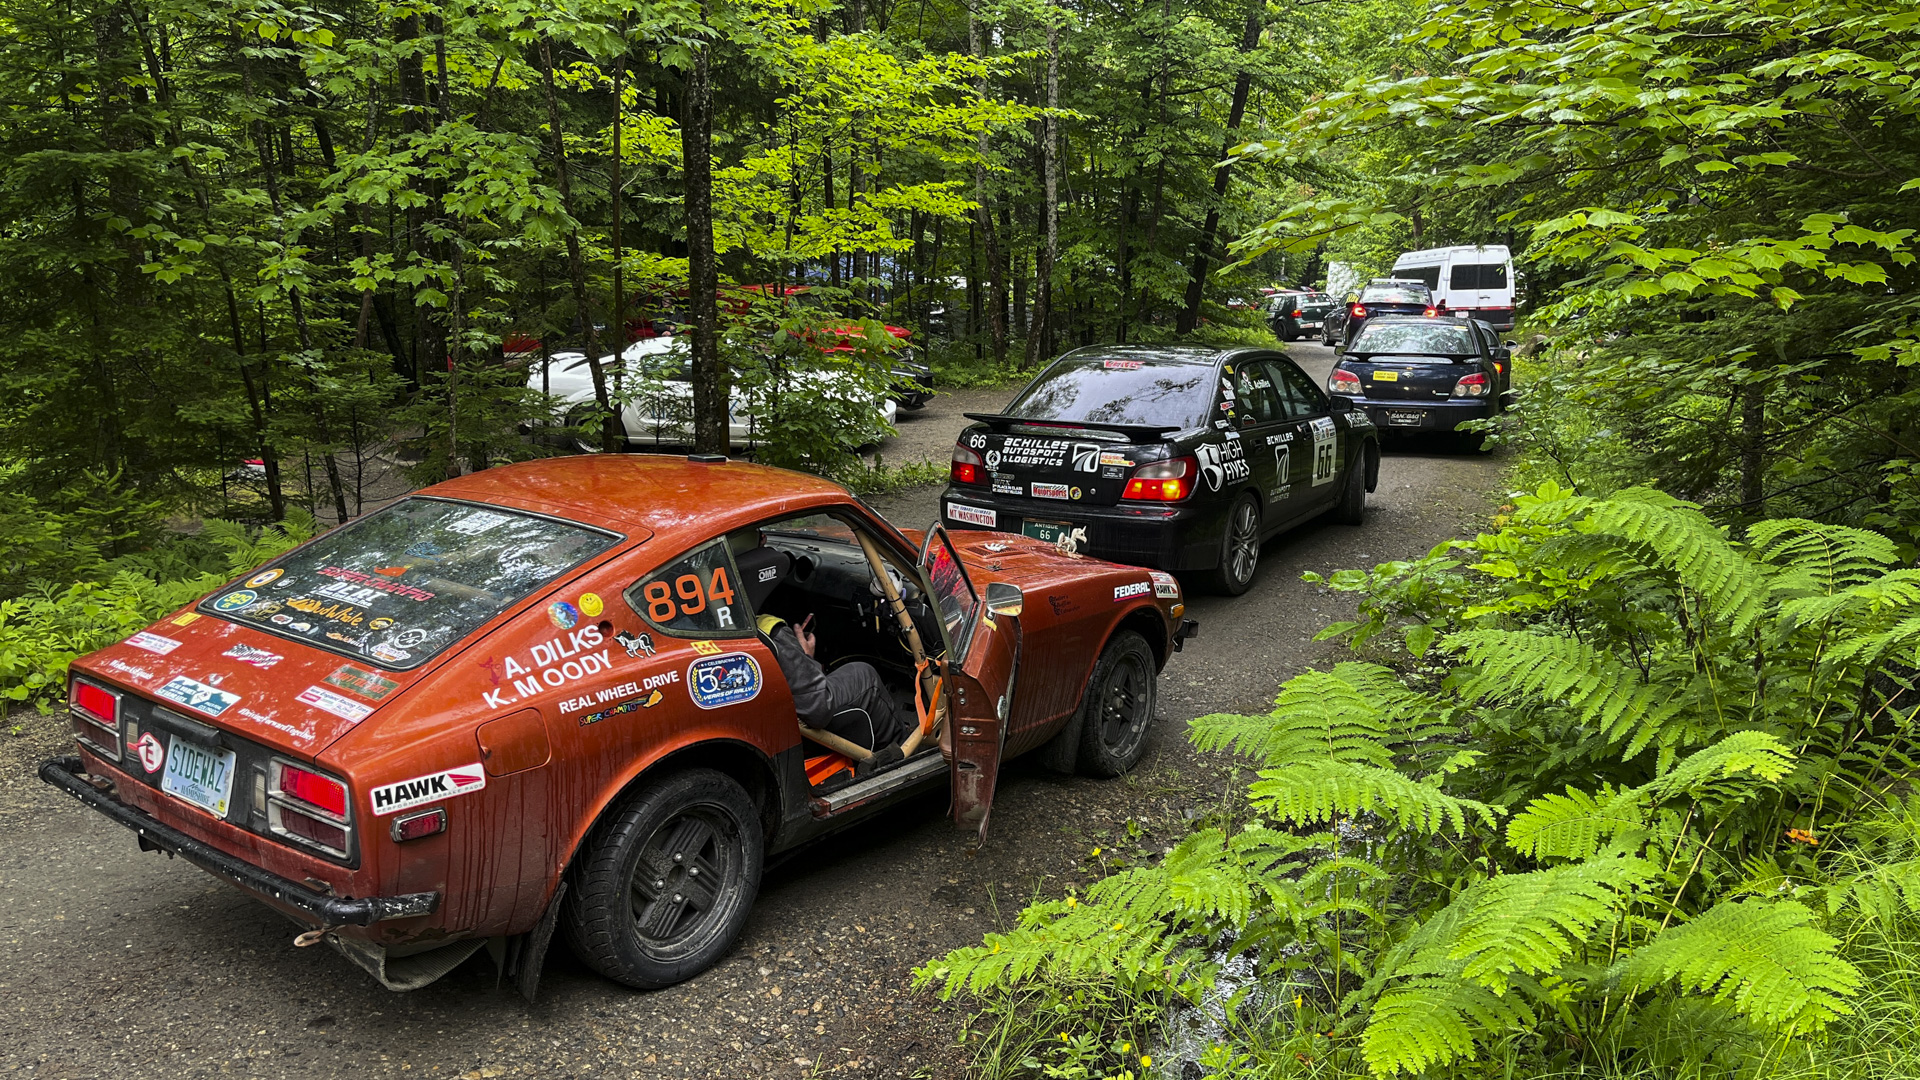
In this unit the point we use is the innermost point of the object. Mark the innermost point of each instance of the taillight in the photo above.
(1345, 382)
(1299, 314)
(1474, 385)
(309, 808)
(1163, 481)
(968, 467)
(414, 826)
(96, 717)
(1359, 311)
(1431, 312)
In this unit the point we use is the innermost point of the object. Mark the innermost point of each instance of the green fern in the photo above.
(1576, 825)
(1678, 537)
(1529, 923)
(1312, 792)
(1759, 955)
(1433, 1020)
(1511, 665)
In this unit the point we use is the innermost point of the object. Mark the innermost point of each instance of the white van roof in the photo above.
(1436, 256)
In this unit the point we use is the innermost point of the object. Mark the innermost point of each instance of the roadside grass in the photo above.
(876, 477)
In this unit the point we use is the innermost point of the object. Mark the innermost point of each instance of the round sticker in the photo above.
(1074, 494)
(235, 600)
(590, 605)
(379, 624)
(264, 577)
(563, 614)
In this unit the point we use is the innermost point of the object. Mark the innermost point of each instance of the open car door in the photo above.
(983, 659)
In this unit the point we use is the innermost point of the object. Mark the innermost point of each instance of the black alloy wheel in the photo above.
(1118, 707)
(665, 886)
(1239, 549)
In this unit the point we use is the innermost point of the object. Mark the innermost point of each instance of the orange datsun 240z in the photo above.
(536, 698)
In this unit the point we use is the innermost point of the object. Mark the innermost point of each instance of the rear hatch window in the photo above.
(1395, 294)
(1410, 360)
(1095, 390)
(1436, 339)
(400, 585)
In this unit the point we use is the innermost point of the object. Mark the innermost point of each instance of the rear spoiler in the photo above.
(1129, 433)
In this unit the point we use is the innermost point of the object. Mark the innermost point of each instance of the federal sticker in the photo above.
(235, 600)
(338, 704)
(259, 658)
(198, 695)
(153, 643)
(264, 577)
(972, 515)
(393, 798)
(727, 679)
(1128, 592)
(358, 680)
(1049, 491)
(1165, 585)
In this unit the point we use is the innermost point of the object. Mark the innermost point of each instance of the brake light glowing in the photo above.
(313, 789)
(1431, 312)
(968, 467)
(1474, 385)
(99, 704)
(1344, 382)
(1163, 481)
(1359, 311)
(1299, 313)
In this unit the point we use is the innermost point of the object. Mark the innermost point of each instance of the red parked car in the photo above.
(537, 697)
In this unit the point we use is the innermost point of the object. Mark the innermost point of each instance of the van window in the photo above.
(1479, 276)
(1428, 274)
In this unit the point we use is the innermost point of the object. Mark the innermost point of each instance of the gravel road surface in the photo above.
(115, 963)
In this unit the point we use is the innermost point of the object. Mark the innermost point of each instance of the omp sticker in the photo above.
(727, 679)
(358, 680)
(338, 704)
(1325, 449)
(393, 798)
(198, 695)
(1164, 584)
(1049, 491)
(259, 658)
(153, 643)
(1128, 592)
(972, 515)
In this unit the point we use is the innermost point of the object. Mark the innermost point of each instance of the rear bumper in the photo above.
(1178, 537)
(66, 774)
(1433, 415)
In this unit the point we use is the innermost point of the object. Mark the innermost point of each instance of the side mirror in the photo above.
(1338, 404)
(1509, 344)
(1005, 599)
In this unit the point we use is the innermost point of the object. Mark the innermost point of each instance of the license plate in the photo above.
(1046, 531)
(1397, 418)
(1313, 324)
(199, 776)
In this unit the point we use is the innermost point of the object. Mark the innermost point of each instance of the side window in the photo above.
(694, 595)
(1303, 399)
(1255, 395)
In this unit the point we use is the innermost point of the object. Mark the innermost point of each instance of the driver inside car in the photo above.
(850, 701)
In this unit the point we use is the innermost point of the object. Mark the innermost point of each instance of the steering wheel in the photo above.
(906, 590)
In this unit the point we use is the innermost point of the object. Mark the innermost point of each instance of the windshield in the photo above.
(1395, 294)
(1118, 390)
(1417, 338)
(402, 584)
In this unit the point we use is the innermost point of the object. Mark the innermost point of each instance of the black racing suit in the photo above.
(850, 701)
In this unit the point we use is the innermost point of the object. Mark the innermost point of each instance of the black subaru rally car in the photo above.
(1181, 458)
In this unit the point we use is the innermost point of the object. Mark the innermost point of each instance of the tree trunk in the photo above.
(1753, 442)
(619, 250)
(996, 301)
(1040, 334)
(456, 305)
(611, 430)
(1222, 176)
(703, 276)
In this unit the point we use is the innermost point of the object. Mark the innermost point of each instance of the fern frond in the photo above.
(1528, 923)
(1677, 536)
(1315, 791)
(1756, 752)
(1762, 956)
(1317, 715)
(1900, 641)
(1575, 825)
(1513, 665)
(1888, 595)
(1431, 1021)
(1817, 559)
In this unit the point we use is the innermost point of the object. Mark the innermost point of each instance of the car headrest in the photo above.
(762, 569)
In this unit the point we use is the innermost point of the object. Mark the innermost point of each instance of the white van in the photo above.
(1476, 281)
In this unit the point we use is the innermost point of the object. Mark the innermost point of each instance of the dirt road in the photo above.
(122, 964)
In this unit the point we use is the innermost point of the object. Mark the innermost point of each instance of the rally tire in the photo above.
(1239, 548)
(643, 912)
(1352, 509)
(1117, 709)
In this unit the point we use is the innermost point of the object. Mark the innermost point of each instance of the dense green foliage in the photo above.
(1643, 780)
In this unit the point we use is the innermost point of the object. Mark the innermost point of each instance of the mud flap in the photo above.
(410, 972)
(533, 954)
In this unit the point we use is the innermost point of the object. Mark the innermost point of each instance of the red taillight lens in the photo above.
(311, 829)
(100, 705)
(414, 826)
(1474, 385)
(1359, 311)
(321, 792)
(1344, 382)
(1431, 312)
(968, 467)
(1299, 314)
(1165, 481)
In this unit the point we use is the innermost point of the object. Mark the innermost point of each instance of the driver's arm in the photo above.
(812, 698)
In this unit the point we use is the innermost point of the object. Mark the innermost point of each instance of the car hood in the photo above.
(270, 690)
